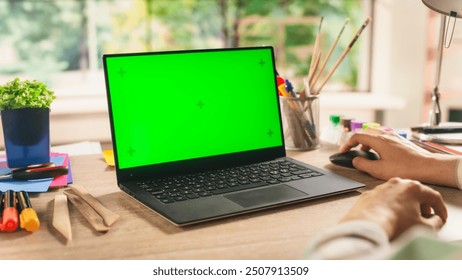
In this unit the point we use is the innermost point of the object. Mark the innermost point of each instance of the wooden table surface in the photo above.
(281, 233)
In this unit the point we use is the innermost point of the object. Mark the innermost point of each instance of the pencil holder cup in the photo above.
(300, 121)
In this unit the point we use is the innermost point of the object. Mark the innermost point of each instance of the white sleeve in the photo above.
(459, 173)
(350, 240)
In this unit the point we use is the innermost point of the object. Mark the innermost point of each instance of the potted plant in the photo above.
(25, 112)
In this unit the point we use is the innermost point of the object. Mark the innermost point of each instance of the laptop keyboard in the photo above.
(181, 188)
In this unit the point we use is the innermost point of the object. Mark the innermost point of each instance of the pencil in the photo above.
(342, 56)
(329, 53)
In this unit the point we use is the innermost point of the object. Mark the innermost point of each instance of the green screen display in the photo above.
(173, 106)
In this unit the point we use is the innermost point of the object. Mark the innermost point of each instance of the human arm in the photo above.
(402, 158)
(378, 216)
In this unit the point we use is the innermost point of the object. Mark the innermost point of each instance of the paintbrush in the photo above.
(342, 56)
(329, 53)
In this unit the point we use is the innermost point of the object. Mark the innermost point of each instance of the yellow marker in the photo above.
(28, 217)
(283, 91)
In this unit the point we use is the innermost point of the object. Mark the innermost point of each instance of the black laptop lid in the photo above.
(189, 111)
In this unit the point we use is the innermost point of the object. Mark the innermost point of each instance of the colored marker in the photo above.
(10, 214)
(283, 91)
(281, 86)
(28, 217)
(290, 88)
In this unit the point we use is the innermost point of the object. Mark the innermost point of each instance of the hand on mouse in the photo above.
(401, 158)
(399, 204)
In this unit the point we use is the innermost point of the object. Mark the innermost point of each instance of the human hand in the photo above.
(401, 158)
(398, 204)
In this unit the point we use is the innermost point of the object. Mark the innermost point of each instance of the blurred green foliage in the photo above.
(51, 36)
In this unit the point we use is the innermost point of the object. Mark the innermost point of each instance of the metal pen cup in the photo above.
(300, 121)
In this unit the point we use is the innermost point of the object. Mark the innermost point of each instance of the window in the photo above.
(61, 42)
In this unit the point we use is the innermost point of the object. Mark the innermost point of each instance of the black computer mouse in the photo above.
(346, 159)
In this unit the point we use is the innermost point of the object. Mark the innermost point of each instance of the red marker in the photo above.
(10, 213)
(280, 80)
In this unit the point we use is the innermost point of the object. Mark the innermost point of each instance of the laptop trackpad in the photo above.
(265, 196)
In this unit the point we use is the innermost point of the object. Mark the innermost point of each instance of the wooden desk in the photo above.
(280, 233)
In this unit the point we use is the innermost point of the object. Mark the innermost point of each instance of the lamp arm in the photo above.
(435, 111)
(439, 58)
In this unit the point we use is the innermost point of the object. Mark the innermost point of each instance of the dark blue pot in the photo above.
(27, 136)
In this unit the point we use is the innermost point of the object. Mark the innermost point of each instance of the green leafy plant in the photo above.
(19, 94)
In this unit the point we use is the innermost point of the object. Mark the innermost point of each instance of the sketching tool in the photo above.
(28, 219)
(311, 122)
(35, 172)
(283, 91)
(329, 53)
(315, 68)
(108, 216)
(290, 88)
(87, 211)
(315, 51)
(280, 82)
(61, 219)
(342, 56)
(307, 126)
(10, 213)
(299, 123)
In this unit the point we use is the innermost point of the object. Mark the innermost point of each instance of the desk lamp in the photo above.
(451, 9)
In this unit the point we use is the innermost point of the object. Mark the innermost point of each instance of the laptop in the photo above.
(197, 134)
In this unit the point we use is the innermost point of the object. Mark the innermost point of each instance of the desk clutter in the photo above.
(446, 133)
(15, 184)
(17, 212)
(445, 138)
(341, 128)
(36, 178)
